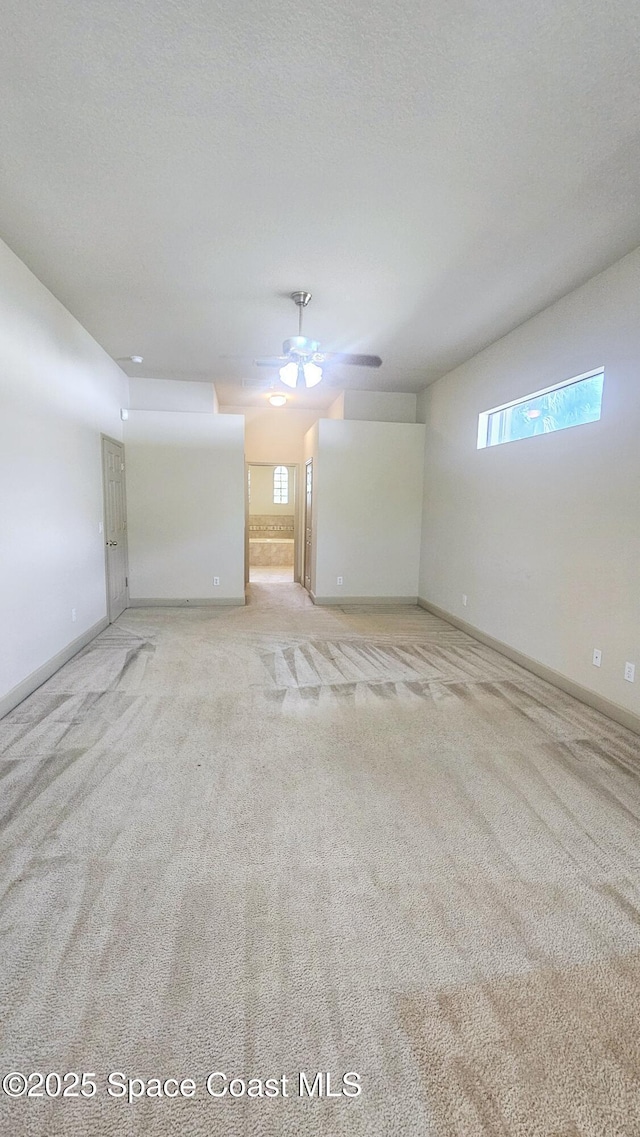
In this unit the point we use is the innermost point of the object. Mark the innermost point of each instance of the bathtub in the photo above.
(271, 550)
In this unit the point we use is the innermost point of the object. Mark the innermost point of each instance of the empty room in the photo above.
(320, 565)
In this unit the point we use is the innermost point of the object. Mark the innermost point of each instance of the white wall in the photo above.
(378, 406)
(274, 434)
(543, 534)
(336, 410)
(58, 391)
(367, 508)
(185, 505)
(171, 395)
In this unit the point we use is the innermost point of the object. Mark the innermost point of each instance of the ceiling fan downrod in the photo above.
(300, 298)
(299, 346)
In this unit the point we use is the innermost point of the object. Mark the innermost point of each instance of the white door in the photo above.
(247, 500)
(308, 524)
(115, 527)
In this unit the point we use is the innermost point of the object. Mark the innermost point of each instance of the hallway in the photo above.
(287, 838)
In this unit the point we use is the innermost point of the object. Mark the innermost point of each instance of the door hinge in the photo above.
(126, 581)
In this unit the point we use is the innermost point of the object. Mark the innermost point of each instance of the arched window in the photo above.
(280, 485)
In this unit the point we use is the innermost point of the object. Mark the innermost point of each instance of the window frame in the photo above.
(280, 485)
(484, 418)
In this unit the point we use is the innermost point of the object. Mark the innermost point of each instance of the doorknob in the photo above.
(112, 543)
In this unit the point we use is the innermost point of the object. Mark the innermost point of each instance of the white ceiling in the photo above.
(433, 172)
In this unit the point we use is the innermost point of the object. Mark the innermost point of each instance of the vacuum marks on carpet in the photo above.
(553, 1053)
(336, 663)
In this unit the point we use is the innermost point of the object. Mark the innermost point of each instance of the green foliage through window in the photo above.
(570, 404)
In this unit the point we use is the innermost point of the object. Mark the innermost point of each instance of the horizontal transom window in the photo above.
(572, 403)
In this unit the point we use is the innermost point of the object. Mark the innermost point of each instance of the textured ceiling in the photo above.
(433, 172)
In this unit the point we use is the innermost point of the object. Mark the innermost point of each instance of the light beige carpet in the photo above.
(281, 838)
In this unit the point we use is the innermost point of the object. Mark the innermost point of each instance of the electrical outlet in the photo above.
(630, 672)
(216, 581)
(464, 600)
(597, 657)
(73, 615)
(339, 580)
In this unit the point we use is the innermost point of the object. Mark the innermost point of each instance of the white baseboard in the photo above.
(374, 601)
(37, 678)
(206, 602)
(556, 678)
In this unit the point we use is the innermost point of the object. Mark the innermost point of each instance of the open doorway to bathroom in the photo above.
(271, 523)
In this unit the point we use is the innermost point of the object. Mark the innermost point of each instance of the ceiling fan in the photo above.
(302, 361)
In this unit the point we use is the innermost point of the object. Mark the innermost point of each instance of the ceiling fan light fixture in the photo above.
(301, 359)
(312, 374)
(289, 374)
(277, 400)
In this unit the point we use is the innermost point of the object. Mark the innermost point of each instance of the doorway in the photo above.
(115, 527)
(272, 523)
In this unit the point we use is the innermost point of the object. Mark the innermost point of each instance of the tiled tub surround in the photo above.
(271, 525)
(270, 551)
(271, 539)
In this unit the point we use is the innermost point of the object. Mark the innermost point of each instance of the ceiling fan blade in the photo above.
(272, 361)
(358, 360)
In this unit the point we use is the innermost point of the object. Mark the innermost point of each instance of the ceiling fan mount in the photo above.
(302, 361)
(300, 298)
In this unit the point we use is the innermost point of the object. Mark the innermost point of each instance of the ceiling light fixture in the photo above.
(136, 358)
(289, 374)
(305, 374)
(302, 361)
(301, 370)
(277, 400)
